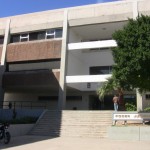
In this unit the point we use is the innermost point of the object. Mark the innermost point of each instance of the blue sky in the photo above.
(16, 7)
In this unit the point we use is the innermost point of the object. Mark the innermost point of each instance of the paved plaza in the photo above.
(63, 143)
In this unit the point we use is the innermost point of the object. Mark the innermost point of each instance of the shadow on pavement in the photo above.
(23, 140)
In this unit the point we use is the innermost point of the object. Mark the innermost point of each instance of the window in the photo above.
(37, 36)
(1, 39)
(50, 34)
(24, 37)
(100, 70)
(40, 35)
(147, 96)
(58, 33)
(15, 38)
(33, 36)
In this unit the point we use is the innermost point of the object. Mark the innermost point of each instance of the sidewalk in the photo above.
(63, 143)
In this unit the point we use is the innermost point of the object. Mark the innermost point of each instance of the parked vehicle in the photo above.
(4, 134)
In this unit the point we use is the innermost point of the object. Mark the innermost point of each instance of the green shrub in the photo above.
(147, 109)
(130, 107)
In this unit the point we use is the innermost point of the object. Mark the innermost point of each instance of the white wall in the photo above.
(79, 61)
(73, 37)
(98, 58)
(76, 65)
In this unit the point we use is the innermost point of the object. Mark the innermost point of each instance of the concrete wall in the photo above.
(30, 100)
(37, 50)
(33, 97)
(90, 14)
(74, 103)
(135, 133)
(106, 12)
(29, 22)
(34, 66)
(145, 102)
(144, 7)
(73, 37)
(98, 58)
(20, 129)
(7, 114)
(76, 64)
(80, 61)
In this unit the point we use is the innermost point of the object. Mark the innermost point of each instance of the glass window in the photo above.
(33, 36)
(100, 70)
(37, 35)
(24, 37)
(50, 31)
(41, 35)
(50, 34)
(15, 38)
(58, 33)
(1, 39)
(147, 96)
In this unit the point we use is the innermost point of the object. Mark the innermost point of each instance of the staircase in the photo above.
(73, 124)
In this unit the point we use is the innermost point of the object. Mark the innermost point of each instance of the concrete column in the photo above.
(135, 9)
(62, 80)
(3, 58)
(139, 99)
(85, 101)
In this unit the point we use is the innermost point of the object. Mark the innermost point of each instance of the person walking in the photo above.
(115, 101)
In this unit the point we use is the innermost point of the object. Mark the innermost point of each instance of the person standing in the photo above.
(115, 101)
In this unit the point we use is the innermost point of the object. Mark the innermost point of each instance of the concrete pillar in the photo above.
(62, 80)
(135, 9)
(85, 101)
(3, 58)
(139, 98)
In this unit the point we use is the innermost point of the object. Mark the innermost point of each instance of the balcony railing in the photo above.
(87, 78)
(93, 44)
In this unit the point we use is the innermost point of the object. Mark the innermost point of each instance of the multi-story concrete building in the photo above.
(58, 58)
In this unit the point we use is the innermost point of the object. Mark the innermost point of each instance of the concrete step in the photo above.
(74, 123)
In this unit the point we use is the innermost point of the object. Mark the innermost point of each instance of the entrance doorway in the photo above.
(96, 104)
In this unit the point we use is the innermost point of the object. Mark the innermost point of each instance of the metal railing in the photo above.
(23, 104)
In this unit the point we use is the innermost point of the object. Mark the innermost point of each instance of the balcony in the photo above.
(31, 79)
(91, 45)
(34, 50)
(87, 78)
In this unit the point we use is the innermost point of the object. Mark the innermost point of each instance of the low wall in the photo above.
(7, 114)
(136, 133)
(20, 129)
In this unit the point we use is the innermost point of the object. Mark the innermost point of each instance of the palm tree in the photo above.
(110, 86)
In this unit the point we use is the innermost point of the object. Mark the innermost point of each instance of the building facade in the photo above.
(57, 59)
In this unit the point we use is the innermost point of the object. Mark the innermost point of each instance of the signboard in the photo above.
(131, 116)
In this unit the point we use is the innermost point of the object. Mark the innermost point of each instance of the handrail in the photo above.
(23, 104)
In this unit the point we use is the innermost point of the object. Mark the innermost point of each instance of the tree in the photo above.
(131, 58)
(111, 85)
(132, 55)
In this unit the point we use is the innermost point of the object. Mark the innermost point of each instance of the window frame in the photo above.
(24, 37)
(49, 34)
